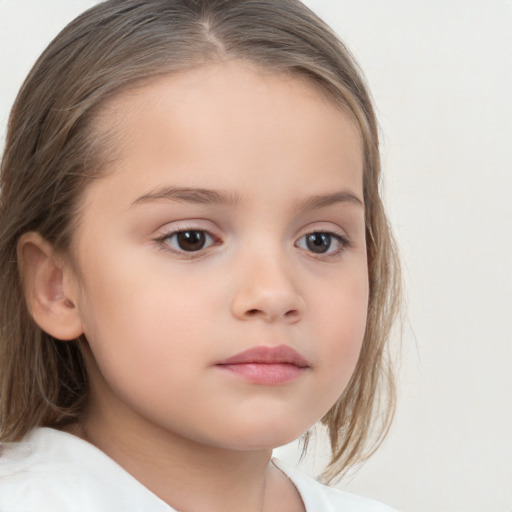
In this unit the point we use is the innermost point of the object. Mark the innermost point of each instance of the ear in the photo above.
(49, 290)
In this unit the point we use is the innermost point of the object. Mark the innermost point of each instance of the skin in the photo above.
(158, 319)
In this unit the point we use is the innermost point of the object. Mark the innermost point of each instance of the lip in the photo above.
(266, 365)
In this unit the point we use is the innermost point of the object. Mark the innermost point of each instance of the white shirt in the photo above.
(52, 471)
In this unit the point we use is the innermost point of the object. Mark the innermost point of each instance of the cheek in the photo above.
(341, 320)
(140, 324)
(139, 319)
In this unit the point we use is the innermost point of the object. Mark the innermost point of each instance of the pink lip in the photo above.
(266, 365)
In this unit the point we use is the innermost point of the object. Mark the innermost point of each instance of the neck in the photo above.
(191, 476)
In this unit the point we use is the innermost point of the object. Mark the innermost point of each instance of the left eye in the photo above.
(322, 243)
(189, 240)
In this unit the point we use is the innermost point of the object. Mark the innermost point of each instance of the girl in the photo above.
(195, 263)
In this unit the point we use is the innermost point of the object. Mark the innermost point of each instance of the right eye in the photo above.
(187, 240)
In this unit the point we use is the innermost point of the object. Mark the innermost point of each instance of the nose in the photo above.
(266, 291)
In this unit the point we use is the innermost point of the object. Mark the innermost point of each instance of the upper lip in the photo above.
(270, 355)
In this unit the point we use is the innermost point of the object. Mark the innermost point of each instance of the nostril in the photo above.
(292, 314)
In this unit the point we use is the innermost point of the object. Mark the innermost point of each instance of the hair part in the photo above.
(53, 150)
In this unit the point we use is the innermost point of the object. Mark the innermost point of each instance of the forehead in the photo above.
(228, 120)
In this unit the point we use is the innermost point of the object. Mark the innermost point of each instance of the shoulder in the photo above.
(322, 498)
(54, 471)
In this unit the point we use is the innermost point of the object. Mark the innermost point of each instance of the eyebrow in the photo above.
(324, 200)
(190, 195)
(223, 198)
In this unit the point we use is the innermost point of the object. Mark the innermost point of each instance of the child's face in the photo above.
(160, 313)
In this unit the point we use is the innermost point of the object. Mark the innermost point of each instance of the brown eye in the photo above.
(190, 240)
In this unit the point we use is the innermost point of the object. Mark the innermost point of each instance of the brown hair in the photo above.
(52, 152)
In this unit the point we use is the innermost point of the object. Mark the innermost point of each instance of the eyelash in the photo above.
(163, 243)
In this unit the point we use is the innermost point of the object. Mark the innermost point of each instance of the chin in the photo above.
(259, 437)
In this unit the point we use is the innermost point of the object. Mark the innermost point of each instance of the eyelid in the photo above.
(166, 234)
(161, 240)
(342, 240)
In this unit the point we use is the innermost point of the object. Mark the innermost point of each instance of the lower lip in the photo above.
(270, 374)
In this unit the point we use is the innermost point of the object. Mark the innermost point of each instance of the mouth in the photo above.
(266, 365)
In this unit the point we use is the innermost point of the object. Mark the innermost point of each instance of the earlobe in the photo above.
(49, 298)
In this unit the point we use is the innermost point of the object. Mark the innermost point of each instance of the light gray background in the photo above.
(441, 76)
